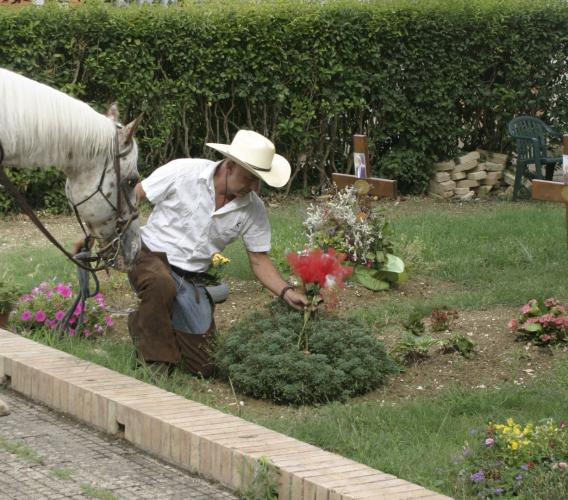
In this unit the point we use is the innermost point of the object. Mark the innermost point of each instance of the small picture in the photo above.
(360, 167)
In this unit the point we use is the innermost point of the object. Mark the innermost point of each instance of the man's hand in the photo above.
(295, 299)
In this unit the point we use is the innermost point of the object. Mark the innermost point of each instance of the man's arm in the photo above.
(268, 275)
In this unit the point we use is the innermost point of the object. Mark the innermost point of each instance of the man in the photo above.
(200, 206)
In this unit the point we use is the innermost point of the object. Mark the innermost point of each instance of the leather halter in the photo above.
(122, 223)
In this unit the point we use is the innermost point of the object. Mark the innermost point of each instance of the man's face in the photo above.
(240, 181)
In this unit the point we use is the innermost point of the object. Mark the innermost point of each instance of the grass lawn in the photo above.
(479, 258)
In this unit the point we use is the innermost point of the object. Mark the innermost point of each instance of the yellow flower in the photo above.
(219, 260)
(510, 422)
(514, 445)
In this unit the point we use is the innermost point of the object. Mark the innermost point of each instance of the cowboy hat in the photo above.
(256, 153)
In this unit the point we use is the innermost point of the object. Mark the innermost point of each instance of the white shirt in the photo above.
(184, 223)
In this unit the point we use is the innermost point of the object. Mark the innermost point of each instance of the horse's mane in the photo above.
(41, 126)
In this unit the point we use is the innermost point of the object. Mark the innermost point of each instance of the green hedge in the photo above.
(415, 76)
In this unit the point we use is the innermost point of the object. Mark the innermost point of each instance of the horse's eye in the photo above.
(132, 181)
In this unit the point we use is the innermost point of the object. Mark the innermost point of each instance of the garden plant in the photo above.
(348, 222)
(46, 305)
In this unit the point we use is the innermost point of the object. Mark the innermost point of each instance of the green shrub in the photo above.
(260, 355)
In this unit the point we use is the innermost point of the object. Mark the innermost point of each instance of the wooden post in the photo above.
(555, 191)
(361, 156)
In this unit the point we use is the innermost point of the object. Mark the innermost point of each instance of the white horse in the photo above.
(40, 126)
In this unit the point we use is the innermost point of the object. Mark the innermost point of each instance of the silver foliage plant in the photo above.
(338, 223)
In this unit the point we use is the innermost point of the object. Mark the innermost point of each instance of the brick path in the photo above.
(79, 462)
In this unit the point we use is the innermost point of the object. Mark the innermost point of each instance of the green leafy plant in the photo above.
(459, 343)
(442, 318)
(413, 349)
(8, 297)
(263, 483)
(543, 322)
(260, 356)
(510, 459)
(414, 323)
(349, 224)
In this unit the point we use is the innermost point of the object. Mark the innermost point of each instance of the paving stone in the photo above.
(92, 458)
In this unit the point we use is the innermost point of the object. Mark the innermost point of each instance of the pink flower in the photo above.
(546, 319)
(63, 290)
(100, 300)
(550, 302)
(26, 298)
(525, 309)
(562, 465)
(513, 325)
(26, 315)
(108, 320)
(87, 333)
(40, 316)
(59, 315)
(78, 309)
(71, 332)
(489, 442)
(51, 323)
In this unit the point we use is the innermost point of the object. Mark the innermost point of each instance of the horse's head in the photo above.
(104, 198)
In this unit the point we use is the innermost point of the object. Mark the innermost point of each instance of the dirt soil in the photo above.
(497, 358)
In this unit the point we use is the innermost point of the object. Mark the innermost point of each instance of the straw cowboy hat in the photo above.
(256, 153)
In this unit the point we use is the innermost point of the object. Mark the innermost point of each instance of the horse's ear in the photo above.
(128, 131)
(112, 112)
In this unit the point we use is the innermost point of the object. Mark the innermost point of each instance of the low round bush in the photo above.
(261, 357)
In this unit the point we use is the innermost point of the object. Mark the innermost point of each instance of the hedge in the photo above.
(416, 76)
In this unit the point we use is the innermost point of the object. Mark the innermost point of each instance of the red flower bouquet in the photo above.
(321, 275)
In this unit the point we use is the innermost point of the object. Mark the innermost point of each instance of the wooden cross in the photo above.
(555, 191)
(383, 188)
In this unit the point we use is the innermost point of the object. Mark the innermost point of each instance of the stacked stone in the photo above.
(472, 175)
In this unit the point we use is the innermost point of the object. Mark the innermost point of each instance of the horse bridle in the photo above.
(122, 223)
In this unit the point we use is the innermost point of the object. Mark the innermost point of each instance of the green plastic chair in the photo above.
(531, 137)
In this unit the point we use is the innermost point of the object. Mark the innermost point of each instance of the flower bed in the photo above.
(511, 459)
(46, 305)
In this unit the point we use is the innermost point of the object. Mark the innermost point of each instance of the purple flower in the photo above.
(26, 315)
(40, 316)
(108, 321)
(489, 442)
(478, 476)
(63, 290)
(497, 491)
(59, 315)
(519, 477)
(525, 467)
(100, 300)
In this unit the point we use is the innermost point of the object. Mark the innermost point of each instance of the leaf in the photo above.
(393, 264)
(369, 279)
(532, 327)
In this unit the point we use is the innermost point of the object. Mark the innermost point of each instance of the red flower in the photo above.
(323, 269)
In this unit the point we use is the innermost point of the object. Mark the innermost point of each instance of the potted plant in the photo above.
(8, 298)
